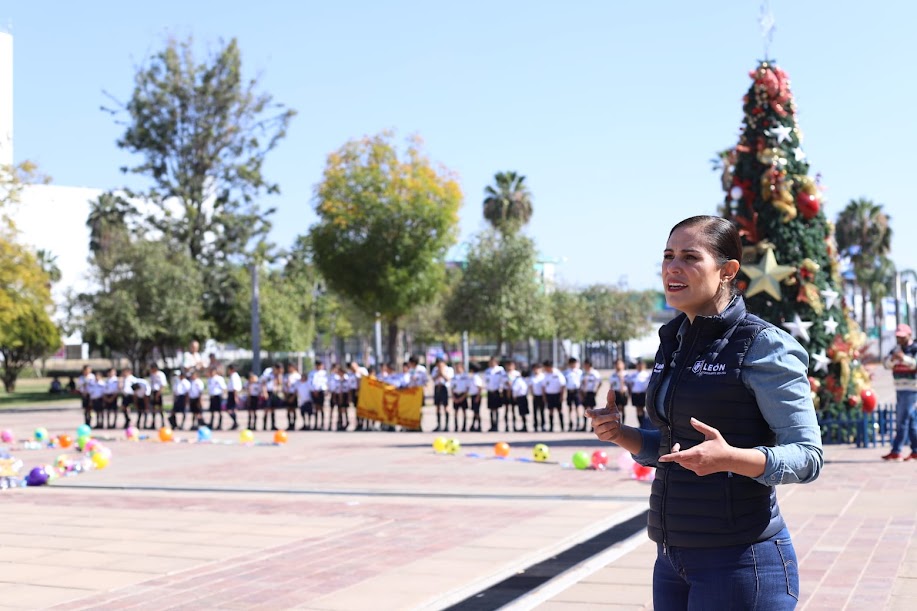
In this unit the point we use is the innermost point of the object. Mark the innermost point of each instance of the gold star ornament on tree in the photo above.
(766, 275)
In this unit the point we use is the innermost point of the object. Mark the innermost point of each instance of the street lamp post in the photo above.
(378, 331)
(256, 321)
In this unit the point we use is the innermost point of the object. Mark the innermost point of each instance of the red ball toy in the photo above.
(599, 459)
(869, 401)
(641, 472)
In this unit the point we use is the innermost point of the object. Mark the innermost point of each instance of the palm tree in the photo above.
(508, 203)
(881, 282)
(48, 263)
(863, 232)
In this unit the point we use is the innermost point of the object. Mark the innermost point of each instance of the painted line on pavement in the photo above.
(566, 580)
(369, 493)
(527, 575)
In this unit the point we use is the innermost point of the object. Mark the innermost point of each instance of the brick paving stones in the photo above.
(343, 521)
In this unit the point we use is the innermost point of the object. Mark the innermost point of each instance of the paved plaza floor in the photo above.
(340, 521)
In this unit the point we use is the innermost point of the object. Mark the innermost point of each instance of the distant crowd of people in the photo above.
(202, 393)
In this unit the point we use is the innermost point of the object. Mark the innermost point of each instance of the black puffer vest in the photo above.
(706, 383)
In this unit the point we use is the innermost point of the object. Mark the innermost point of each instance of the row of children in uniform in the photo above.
(283, 387)
(509, 390)
(278, 387)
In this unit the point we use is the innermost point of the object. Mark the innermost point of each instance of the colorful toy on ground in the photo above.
(204, 433)
(41, 434)
(246, 436)
(453, 446)
(599, 460)
(581, 460)
(501, 449)
(281, 437)
(38, 476)
(166, 434)
(100, 460)
(541, 453)
(642, 473)
(439, 445)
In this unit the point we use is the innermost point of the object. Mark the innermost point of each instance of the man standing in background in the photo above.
(902, 360)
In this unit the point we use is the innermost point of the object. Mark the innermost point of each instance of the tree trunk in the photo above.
(865, 295)
(394, 349)
(878, 316)
(10, 375)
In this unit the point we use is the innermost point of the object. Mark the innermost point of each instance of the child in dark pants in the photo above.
(461, 384)
(195, 392)
(474, 395)
(536, 384)
(253, 401)
(180, 387)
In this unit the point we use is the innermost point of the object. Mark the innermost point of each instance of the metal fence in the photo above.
(864, 430)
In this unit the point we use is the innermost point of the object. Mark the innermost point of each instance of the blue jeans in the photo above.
(906, 420)
(759, 576)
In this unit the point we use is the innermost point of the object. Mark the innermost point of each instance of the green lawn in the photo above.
(34, 393)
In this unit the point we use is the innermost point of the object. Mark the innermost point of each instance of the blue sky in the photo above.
(611, 109)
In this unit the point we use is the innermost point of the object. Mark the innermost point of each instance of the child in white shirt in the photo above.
(216, 386)
(127, 394)
(195, 392)
(142, 393)
(181, 385)
(303, 390)
(233, 394)
(255, 398)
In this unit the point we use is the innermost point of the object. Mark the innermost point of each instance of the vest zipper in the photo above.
(676, 378)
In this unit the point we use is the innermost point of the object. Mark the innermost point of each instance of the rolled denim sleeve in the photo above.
(649, 448)
(776, 371)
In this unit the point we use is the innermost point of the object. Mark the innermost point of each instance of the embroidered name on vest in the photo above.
(703, 368)
(659, 367)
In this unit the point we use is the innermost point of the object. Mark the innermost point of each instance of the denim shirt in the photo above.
(775, 370)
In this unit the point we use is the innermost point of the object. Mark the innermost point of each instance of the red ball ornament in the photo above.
(814, 383)
(852, 401)
(807, 204)
(869, 401)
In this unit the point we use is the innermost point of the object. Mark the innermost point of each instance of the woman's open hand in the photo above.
(710, 456)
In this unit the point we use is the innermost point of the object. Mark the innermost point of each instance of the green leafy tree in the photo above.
(110, 223)
(792, 264)
(286, 308)
(499, 295)
(47, 261)
(152, 303)
(27, 332)
(617, 315)
(568, 309)
(31, 336)
(864, 233)
(507, 203)
(203, 132)
(385, 222)
(427, 324)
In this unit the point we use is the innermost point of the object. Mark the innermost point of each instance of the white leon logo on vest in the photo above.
(703, 368)
(658, 367)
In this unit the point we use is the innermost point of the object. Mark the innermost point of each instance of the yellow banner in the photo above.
(384, 402)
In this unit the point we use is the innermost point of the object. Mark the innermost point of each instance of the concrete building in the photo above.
(49, 217)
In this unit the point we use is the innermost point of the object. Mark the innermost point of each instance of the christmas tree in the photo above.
(791, 263)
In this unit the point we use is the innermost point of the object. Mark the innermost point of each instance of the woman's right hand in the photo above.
(606, 421)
